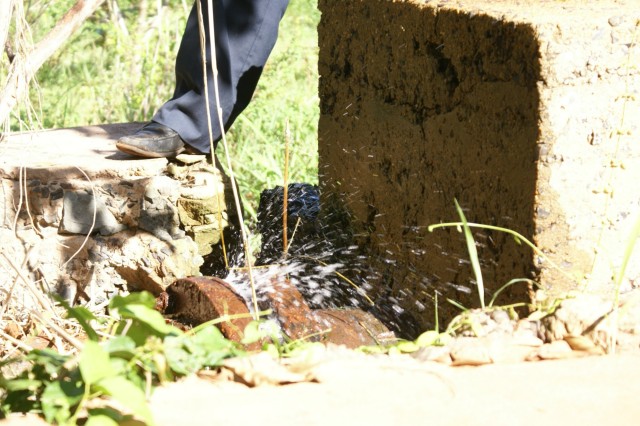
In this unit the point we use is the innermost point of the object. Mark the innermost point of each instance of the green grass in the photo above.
(107, 75)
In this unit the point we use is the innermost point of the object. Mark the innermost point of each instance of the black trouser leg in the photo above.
(245, 33)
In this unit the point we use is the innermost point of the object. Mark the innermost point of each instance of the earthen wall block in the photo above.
(524, 112)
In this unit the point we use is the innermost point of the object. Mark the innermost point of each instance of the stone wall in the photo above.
(512, 109)
(86, 221)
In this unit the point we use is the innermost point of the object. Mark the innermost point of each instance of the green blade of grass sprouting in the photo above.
(509, 284)
(627, 253)
(519, 238)
(473, 253)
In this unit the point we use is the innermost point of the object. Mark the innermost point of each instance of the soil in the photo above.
(358, 390)
(349, 388)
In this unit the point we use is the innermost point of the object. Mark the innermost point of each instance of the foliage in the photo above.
(120, 68)
(109, 379)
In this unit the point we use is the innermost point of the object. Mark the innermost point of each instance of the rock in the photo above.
(139, 241)
(480, 323)
(555, 350)
(79, 210)
(196, 300)
(159, 214)
(440, 354)
(585, 315)
(147, 263)
(191, 159)
(470, 351)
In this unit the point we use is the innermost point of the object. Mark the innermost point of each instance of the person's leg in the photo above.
(245, 33)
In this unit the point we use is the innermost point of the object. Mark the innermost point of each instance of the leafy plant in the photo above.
(110, 378)
(465, 226)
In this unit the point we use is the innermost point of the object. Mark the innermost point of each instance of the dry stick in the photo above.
(23, 173)
(6, 9)
(61, 331)
(24, 67)
(285, 190)
(203, 43)
(214, 70)
(18, 343)
(93, 222)
(44, 303)
(15, 282)
(19, 207)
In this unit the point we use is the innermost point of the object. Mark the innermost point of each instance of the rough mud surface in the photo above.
(512, 108)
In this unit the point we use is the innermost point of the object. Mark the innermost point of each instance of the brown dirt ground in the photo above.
(359, 390)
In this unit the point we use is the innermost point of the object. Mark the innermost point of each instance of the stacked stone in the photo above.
(89, 221)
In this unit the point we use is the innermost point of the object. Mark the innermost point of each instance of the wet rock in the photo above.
(348, 326)
(302, 228)
(196, 300)
(352, 328)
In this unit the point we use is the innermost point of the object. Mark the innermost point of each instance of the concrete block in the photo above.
(525, 112)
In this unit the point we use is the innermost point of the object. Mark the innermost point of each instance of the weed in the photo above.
(140, 351)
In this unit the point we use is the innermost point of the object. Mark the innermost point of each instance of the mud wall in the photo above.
(424, 103)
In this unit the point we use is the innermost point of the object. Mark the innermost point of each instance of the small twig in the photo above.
(7, 299)
(285, 190)
(234, 186)
(44, 303)
(93, 222)
(59, 330)
(293, 234)
(23, 171)
(18, 343)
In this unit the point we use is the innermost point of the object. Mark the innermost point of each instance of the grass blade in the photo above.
(473, 254)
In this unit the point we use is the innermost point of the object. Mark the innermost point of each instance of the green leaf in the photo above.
(473, 254)
(108, 416)
(407, 346)
(100, 420)
(180, 360)
(428, 338)
(83, 316)
(141, 298)
(22, 384)
(94, 363)
(128, 394)
(212, 339)
(252, 333)
(148, 316)
(120, 346)
(48, 358)
(58, 399)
